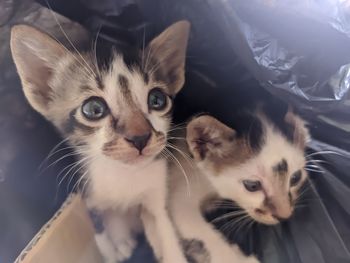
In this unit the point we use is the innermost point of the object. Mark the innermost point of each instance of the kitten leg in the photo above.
(192, 226)
(106, 248)
(118, 240)
(151, 233)
(122, 227)
(161, 233)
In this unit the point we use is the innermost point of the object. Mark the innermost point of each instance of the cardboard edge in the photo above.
(72, 198)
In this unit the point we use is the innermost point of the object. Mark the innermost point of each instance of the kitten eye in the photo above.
(252, 186)
(94, 108)
(157, 99)
(294, 180)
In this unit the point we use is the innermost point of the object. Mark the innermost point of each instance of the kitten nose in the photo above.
(139, 142)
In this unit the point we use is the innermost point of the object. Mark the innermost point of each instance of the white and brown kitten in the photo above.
(262, 174)
(117, 118)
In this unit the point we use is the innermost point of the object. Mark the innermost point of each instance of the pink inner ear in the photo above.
(36, 55)
(35, 75)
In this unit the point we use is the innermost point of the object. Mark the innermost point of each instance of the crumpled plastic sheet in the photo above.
(28, 195)
(296, 50)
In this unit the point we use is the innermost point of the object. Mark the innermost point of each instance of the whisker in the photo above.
(143, 48)
(95, 50)
(315, 167)
(72, 167)
(83, 166)
(182, 170)
(324, 152)
(227, 215)
(66, 36)
(52, 152)
(183, 154)
(314, 170)
(238, 224)
(84, 177)
(176, 128)
(176, 138)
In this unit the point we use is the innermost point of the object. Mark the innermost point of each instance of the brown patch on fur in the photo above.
(281, 168)
(109, 145)
(72, 124)
(99, 83)
(211, 140)
(136, 124)
(124, 87)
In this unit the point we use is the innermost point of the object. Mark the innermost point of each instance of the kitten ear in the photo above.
(35, 55)
(207, 137)
(300, 134)
(167, 55)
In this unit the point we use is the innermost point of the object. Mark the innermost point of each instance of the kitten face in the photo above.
(120, 111)
(263, 181)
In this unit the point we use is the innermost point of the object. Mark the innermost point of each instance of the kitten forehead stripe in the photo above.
(124, 86)
(99, 83)
(281, 167)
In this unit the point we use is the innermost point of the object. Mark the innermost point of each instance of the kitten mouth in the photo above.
(262, 216)
(136, 157)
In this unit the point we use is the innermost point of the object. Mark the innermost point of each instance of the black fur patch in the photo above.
(281, 167)
(276, 112)
(105, 50)
(195, 251)
(124, 85)
(72, 124)
(146, 77)
(99, 83)
(250, 126)
(97, 221)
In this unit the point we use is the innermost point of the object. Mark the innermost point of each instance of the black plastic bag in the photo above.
(298, 51)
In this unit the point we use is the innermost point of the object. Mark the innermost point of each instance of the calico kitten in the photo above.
(258, 165)
(117, 117)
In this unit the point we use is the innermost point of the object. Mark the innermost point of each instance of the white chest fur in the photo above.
(113, 185)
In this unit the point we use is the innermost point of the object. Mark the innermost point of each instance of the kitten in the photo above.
(117, 117)
(258, 165)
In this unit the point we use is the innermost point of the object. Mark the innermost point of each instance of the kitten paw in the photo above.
(117, 251)
(124, 248)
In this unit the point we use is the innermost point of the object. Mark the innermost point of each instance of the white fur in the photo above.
(185, 211)
(116, 186)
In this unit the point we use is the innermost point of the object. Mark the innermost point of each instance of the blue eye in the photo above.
(157, 99)
(252, 186)
(94, 108)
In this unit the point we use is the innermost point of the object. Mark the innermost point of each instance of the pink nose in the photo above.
(280, 210)
(139, 142)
